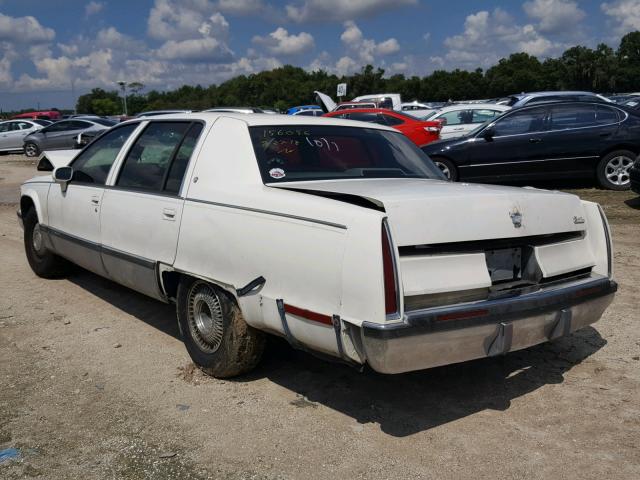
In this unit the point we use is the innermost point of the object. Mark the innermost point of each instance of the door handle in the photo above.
(535, 140)
(458, 129)
(169, 214)
(95, 200)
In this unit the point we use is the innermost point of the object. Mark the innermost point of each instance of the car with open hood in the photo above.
(340, 236)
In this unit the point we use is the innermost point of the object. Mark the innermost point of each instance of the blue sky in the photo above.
(53, 51)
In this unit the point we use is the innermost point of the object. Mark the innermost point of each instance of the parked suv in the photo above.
(551, 141)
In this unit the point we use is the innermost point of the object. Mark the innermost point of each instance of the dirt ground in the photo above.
(96, 384)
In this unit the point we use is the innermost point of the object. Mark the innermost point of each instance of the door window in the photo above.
(59, 127)
(94, 163)
(24, 125)
(481, 116)
(456, 117)
(564, 117)
(528, 121)
(4, 127)
(148, 162)
(14, 126)
(180, 162)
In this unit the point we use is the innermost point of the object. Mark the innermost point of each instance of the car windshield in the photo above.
(290, 153)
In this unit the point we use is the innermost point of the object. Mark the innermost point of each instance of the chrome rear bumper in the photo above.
(444, 335)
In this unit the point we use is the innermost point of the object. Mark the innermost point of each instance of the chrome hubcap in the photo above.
(205, 317)
(30, 150)
(443, 168)
(36, 239)
(617, 170)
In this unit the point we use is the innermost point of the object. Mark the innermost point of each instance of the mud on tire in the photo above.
(217, 338)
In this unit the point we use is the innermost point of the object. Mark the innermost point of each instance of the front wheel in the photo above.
(613, 170)
(42, 261)
(31, 149)
(447, 167)
(217, 338)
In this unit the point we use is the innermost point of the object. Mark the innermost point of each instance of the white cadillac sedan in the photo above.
(340, 236)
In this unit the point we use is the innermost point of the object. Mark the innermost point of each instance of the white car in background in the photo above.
(340, 236)
(460, 119)
(12, 133)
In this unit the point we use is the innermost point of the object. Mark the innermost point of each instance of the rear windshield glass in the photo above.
(292, 153)
(103, 121)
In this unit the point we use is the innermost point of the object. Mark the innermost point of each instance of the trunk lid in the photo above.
(424, 211)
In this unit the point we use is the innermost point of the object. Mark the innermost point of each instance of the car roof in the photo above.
(260, 119)
(553, 92)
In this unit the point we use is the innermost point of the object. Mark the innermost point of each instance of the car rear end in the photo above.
(456, 301)
(423, 132)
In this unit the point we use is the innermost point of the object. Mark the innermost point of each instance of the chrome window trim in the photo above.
(492, 124)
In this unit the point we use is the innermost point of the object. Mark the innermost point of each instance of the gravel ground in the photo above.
(96, 384)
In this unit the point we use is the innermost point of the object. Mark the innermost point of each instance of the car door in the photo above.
(20, 130)
(500, 155)
(142, 209)
(5, 139)
(454, 123)
(577, 133)
(74, 212)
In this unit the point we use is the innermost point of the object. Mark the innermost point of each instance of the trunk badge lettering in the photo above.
(516, 218)
(578, 220)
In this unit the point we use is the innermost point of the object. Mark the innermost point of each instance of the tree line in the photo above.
(602, 70)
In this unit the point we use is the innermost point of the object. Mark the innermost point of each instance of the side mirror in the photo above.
(63, 176)
(488, 134)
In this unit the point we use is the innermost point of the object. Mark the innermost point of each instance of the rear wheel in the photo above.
(31, 149)
(217, 338)
(613, 170)
(447, 167)
(42, 261)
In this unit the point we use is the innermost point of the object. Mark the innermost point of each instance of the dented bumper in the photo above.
(444, 335)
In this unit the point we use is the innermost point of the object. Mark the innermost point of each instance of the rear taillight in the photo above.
(389, 272)
(432, 129)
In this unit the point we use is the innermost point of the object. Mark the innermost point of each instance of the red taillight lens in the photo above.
(389, 272)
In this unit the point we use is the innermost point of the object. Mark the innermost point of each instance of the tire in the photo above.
(217, 338)
(613, 170)
(43, 262)
(31, 149)
(447, 167)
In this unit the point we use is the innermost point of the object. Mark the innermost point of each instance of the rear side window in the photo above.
(457, 117)
(606, 115)
(148, 165)
(572, 116)
(181, 160)
(392, 121)
(94, 163)
(367, 117)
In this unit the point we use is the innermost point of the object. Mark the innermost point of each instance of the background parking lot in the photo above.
(96, 383)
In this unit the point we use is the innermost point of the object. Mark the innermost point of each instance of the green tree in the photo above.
(105, 106)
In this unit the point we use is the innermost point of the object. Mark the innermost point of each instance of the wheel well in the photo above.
(170, 281)
(624, 146)
(26, 204)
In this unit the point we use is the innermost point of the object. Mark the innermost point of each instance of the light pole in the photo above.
(123, 86)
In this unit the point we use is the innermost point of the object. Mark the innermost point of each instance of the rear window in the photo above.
(291, 153)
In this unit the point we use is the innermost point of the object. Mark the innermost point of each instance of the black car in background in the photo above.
(545, 142)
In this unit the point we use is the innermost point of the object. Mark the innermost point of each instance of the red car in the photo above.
(419, 132)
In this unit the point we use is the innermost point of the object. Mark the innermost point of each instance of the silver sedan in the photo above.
(13, 132)
(62, 135)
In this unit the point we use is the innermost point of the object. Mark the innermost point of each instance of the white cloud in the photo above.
(279, 42)
(388, 47)
(26, 30)
(624, 13)
(111, 38)
(487, 37)
(185, 19)
(340, 10)
(554, 16)
(92, 8)
(240, 7)
(196, 49)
